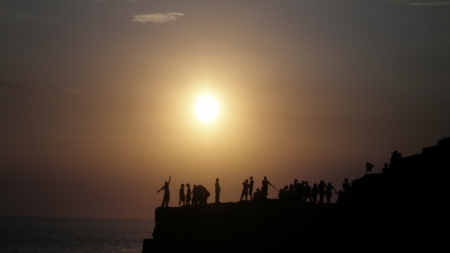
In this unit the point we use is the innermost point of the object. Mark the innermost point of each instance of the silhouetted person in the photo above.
(245, 186)
(217, 191)
(182, 196)
(395, 159)
(166, 198)
(195, 195)
(297, 189)
(301, 191)
(283, 194)
(314, 192)
(345, 186)
(385, 168)
(265, 187)
(339, 199)
(257, 196)
(250, 187)
(321, 190)
(188, 194)
(328, 191)
(290, 193)
(203, 195)
(307, 192)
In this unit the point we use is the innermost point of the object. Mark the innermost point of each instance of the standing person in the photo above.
(182, 196)
(188, 194)
(217, 191)
(301, 191)
(166, 198)
(195, 195)
(345, 186)
(250, 187)
(321, 191)
(308, 192)
(314, 191)
(265, 187)
(328, 191)
(245, 189)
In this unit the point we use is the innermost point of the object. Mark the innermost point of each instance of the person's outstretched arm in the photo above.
(169, 180)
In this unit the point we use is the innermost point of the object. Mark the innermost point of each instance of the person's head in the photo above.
(246, 180)
(217, 179)
(166, 182)
(315, 184)
(182, 185)
(265, 178)
(251, 177)
(306, 182)
(345, 179)
(296, 180)
(188, 185)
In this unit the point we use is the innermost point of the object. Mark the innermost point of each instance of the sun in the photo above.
(207, 108)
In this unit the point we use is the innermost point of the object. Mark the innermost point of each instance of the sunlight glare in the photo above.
(207, 108)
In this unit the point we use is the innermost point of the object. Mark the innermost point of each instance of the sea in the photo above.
(26, 234)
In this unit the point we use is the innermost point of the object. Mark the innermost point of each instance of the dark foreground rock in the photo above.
(397, 210)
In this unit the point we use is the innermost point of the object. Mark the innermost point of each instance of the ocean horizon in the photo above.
(42, 234)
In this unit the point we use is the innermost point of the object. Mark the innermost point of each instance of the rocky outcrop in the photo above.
(392, 210)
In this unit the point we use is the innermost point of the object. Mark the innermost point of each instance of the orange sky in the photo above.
(97, 97)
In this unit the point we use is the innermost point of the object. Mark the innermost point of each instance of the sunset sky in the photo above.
(97, 97)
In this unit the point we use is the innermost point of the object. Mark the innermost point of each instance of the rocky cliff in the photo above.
(393, 210)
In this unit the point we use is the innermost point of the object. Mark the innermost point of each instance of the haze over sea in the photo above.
(20, 234)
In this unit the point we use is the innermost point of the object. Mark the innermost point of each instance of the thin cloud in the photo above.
(157, 18)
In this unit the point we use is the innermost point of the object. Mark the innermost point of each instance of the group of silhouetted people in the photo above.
(298, 192)
(197, 196)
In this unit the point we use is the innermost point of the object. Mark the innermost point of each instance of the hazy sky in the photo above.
(97, 97)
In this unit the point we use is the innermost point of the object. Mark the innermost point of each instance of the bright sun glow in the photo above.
(207, 108)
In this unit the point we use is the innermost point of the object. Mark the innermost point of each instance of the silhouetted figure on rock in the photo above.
(314, 192)
(283, 194)
(182, 196)
(203, 195)
(301, 191)
(296, 190)
(290, 193)
(166, 198)
(245, 186)
(328, 192)
(339, 199)
(250, 187)
(188, 194)
(385, 168)
(345, 186)
(308, 192)
(265, 187)
(257, 196)
(195, 195)
(395, 159)
(321, 191)
(217, 200)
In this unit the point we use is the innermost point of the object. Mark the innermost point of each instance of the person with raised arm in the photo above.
(166, 198)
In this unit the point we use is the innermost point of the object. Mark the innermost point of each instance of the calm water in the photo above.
(73, 235)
